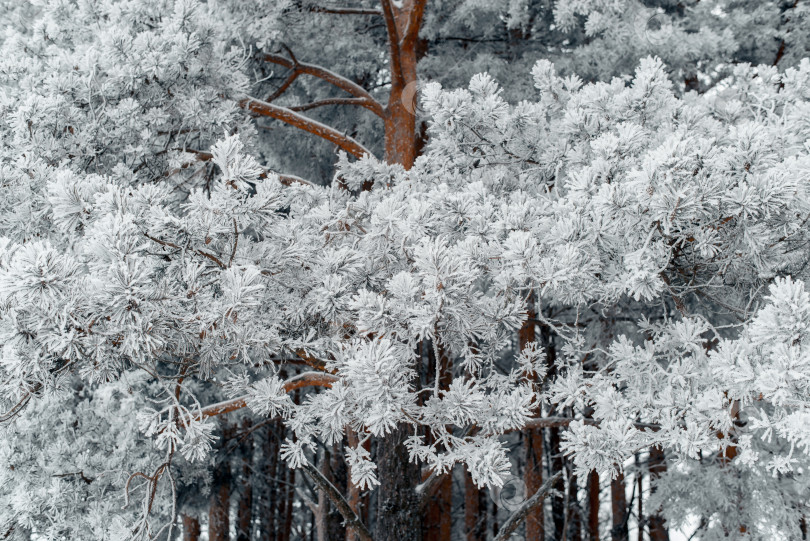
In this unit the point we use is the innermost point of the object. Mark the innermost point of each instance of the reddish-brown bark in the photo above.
(532, 442)
(191, 528)
(438, 520)
(475, 522)
(301, 122)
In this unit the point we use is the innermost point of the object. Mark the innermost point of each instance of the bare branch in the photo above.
(307, 124)
(168, 244)
(329, 101)
(518, 516)
(351, 518)
(329, 76)
(346, 11)
(284, 86)
(16, 409)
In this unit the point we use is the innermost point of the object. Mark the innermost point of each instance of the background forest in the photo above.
(404, 270)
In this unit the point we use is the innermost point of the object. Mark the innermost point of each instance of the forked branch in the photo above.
(364, 98)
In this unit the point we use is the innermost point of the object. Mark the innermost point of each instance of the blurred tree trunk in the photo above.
(618, 500)
(270, 504)
(658, 465)
(574, 516)
(475, 522)
(244, 517)
(219, 508)
(191, 528)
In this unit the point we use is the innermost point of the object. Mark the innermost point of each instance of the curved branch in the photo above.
(309, 125)
(330, 77)
(518, 516)
(16, 409)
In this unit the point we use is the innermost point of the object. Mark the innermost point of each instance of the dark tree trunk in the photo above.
(618, 500)
(658, 465)
(593, 506)
(245, 507)
(398, 512)
(555, 453)
(574, 514)
(475, 521)
(358, 501)
(533, 442)
(268, 527)
(439, 520)
(219, 508)
(286, 519)
(437, 525)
